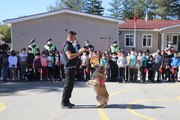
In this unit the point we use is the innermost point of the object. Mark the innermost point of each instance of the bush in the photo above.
(5, 30)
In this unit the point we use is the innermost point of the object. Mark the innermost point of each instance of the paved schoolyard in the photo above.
(41, 101)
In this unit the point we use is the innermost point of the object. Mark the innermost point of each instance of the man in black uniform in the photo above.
(70, 60)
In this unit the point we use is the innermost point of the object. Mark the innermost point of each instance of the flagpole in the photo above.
(134, 33)
(146, 24)
(135, 19)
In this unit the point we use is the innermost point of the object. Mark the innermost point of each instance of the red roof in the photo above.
(151, 24)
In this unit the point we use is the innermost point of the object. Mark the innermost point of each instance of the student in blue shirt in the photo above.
(175, 62)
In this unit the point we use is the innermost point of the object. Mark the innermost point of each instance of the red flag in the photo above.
(135, 17)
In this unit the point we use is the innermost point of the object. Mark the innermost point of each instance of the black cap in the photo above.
(72, 33)
(115, 42)
(32, 41)
(49, 39)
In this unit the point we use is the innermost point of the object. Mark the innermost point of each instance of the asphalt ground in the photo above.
(130, 101)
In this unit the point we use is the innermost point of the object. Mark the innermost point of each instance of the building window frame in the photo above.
(146, 42)
(130, 37)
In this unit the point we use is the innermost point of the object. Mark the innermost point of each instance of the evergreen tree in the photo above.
(94, 7)
(69, 4)
(161, 8)
(138, 6)
(116, 9)
(174, 11)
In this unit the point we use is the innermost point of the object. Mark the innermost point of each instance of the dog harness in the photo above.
(101, 82)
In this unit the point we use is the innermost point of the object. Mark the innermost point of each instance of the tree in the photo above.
(174, 10)
(116, 9)
(5, 30)
(138, 6)
(161, 8)
(68, 4)
(94, 7)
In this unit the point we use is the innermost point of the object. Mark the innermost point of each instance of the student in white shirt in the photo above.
(12, 59)
(121, 62)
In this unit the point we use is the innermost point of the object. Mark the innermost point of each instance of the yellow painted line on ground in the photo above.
(101, 111)
(102, 114)
(2, 107)
(134, 112)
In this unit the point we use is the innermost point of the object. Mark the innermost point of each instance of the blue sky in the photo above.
(17, 8)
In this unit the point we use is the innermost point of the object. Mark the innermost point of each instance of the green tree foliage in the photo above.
(68, 4)
(156, 9)
(161, 8)
(5, 30)
(174, 11)
(94, 7)
(126, 8)
(116, 8)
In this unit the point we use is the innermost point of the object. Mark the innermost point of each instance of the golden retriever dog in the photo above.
(98, 81)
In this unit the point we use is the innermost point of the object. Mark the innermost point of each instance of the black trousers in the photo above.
(151, 75)
(62, 71)
(68, 85)
(56, 72)
(50, 72)
(121, 74)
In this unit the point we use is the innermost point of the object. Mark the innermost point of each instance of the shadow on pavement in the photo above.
(135, 106)
(118, 106)
(11, 88)
(85, 107)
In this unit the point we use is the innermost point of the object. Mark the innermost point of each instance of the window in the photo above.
(167, 39)
(147, 40)
(175, 38)
(129, 40)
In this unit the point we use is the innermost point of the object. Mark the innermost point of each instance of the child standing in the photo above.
(113, 67)
(5, 64)
(165, 66)
(94, 61)
(57, 66)
(132, 66)
(144, 67)
(37, 65)
(30, 58)
(139, 65)
(150, 67)
(44, 63)
(18, 71)
(85, 74)
(13, 60)
(104, 62)
(127, 66)
(121, 62)
(23, 63)
(157, 60)
(50, 60)
(175, 62)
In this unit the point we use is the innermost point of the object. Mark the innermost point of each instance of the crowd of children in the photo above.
(133, 66)
(121, 66)
(23, 66)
